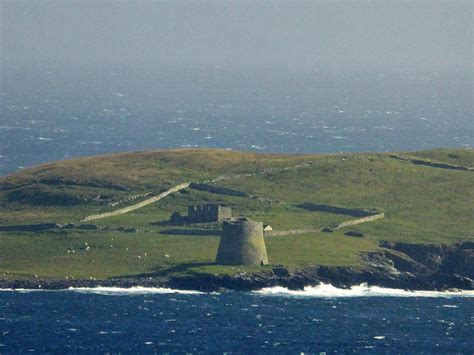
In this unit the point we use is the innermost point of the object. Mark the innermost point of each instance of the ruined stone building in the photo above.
(208, 213)
(205, 213)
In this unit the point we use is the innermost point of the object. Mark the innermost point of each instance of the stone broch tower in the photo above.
(242, 243)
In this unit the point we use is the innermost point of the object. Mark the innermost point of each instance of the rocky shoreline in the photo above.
(396, 265)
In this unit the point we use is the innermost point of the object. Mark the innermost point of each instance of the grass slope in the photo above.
(421, 204)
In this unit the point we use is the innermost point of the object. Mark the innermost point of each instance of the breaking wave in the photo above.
(21, 290)
(138, 290)
(112, 291)
(362, 290)
(320, 291)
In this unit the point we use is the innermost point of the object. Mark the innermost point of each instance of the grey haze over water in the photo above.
(88, 78)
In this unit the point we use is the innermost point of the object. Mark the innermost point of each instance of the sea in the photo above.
(317, 320)
(53, 112)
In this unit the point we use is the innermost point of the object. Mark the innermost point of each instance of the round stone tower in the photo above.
(242, 243)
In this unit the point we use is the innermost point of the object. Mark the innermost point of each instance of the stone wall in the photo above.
(360, 220)
(178, 231)
(138, 205)
(217, 189)
(29, 227)
(432, 164)
(354, 212)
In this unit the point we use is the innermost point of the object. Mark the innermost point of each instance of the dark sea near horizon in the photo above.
(321, 321)
(49, 114)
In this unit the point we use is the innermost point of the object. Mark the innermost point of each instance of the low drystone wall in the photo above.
(360, 220)
(354, 212)
(217, 189)
(138, 205)
(276, 233)
(29, 227)
(177, 231)
(432, 164)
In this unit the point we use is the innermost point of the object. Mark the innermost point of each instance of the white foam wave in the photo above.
(113, 291)
(363, 290)
(21, 290)
(138, 290)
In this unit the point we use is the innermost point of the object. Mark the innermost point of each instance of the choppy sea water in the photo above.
(52, 113)
(319, 319)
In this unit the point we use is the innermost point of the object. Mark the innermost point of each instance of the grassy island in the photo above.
(425, 197)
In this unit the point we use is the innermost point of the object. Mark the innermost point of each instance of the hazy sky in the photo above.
(238, 34)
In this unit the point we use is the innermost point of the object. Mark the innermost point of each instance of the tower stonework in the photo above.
(242, 243)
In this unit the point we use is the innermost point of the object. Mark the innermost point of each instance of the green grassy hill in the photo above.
(422, 204)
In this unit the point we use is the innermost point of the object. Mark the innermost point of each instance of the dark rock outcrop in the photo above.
(450, 259)
(87, 226)
(355, 234)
